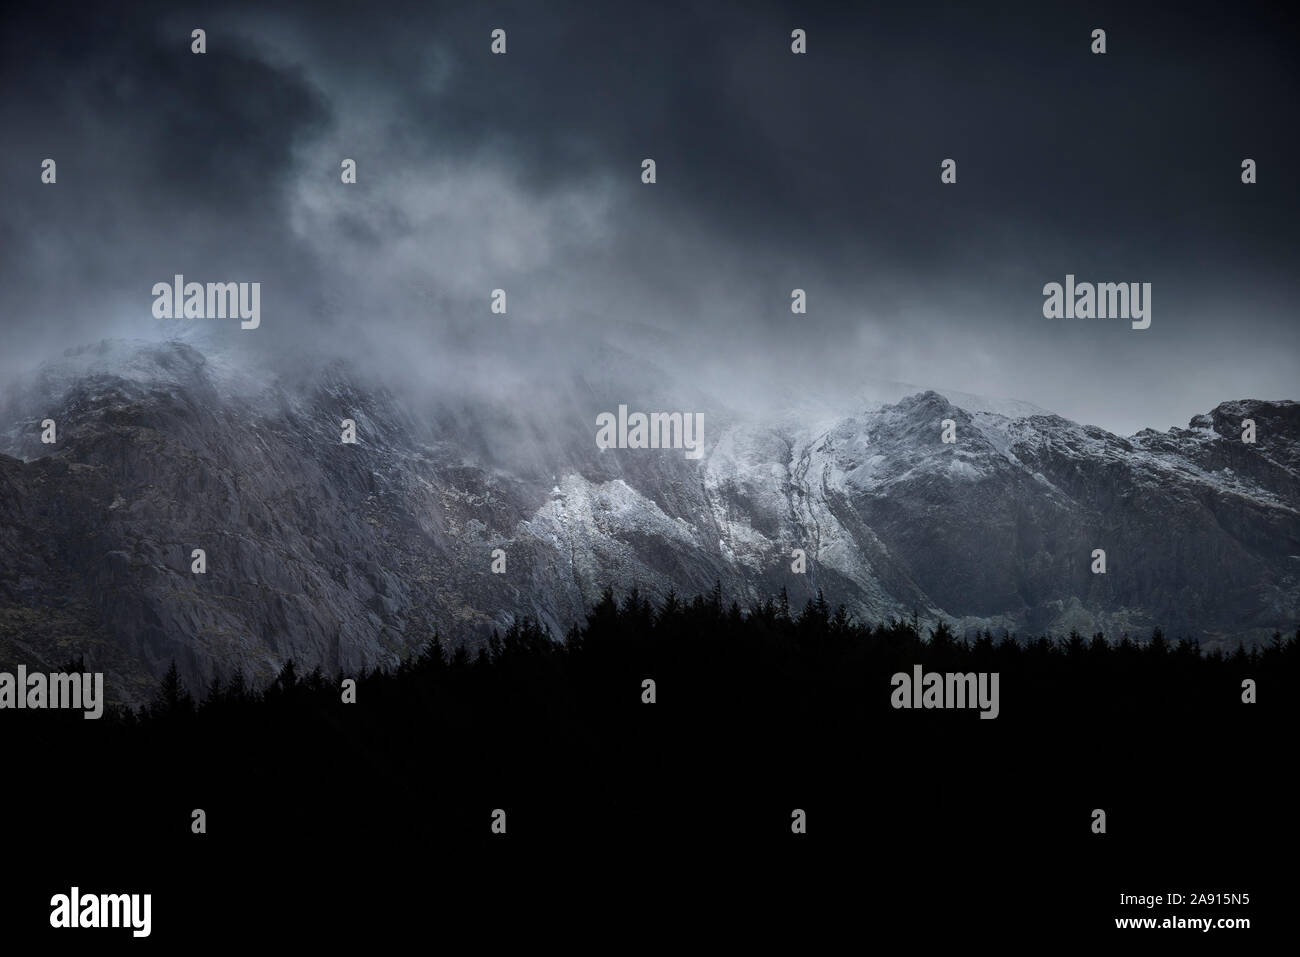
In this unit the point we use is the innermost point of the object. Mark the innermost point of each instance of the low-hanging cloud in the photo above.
(522, 172)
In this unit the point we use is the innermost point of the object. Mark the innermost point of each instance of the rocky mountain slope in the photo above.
(350, 555)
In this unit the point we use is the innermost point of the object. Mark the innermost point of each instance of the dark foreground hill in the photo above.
(329, 821)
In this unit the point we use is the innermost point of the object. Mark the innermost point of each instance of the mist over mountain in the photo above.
(353, 555)
(715, 447)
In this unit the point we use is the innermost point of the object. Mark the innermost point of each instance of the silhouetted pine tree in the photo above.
(671, 607)
(173, 700)
(212, 697)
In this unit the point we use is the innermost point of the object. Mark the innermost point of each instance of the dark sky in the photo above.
(774, 171)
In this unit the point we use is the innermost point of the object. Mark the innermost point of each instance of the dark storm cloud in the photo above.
(775, 171)
(167, 162)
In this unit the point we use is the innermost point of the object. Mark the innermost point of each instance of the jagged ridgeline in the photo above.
(349, 556)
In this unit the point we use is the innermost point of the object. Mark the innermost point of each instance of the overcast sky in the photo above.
(775, 171)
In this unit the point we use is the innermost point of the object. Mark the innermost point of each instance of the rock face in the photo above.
(351, 555)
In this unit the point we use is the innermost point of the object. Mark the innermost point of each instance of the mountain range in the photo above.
(353, 555)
